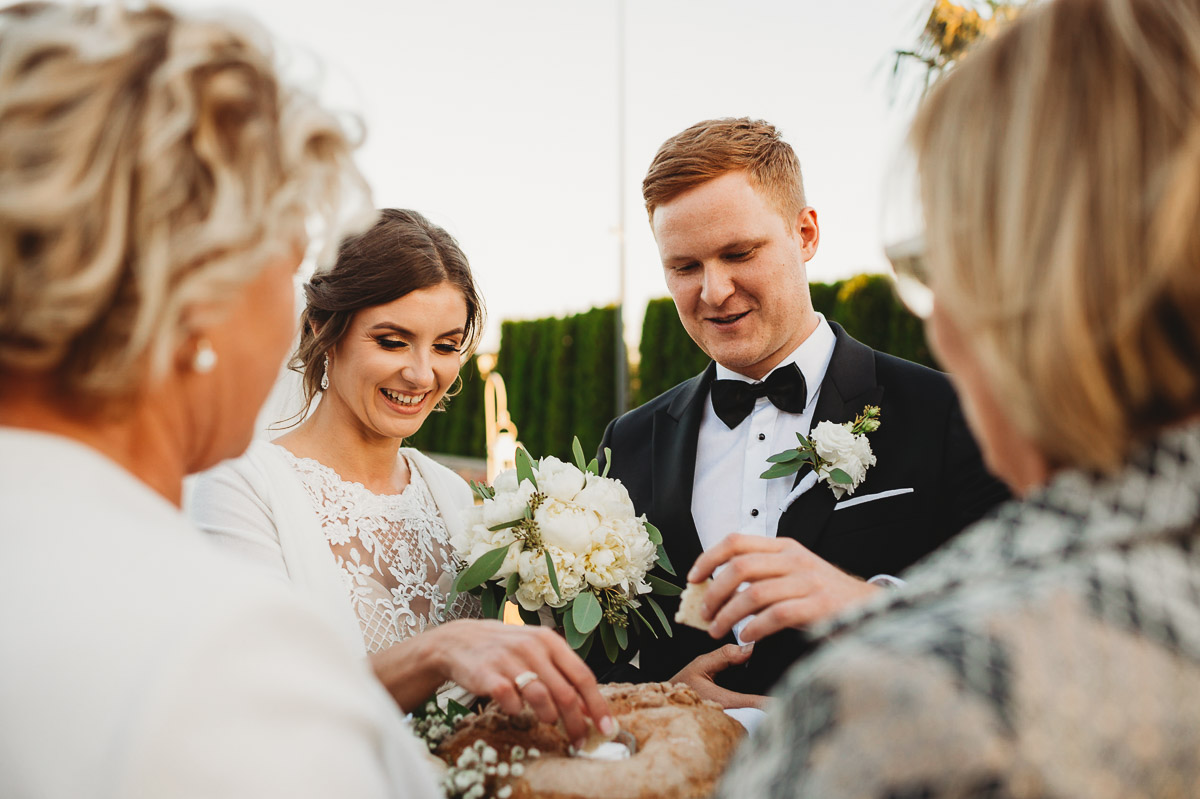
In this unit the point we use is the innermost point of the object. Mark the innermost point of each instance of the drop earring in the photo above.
(325, 377)
(205, 358)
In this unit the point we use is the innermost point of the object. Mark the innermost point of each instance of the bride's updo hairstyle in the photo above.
(402, 253)
(1060, 178)
(150, 166)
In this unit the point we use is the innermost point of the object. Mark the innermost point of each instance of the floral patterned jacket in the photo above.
(1051, 650)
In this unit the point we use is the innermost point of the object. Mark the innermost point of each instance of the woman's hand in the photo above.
(486, 658)
(701, 673)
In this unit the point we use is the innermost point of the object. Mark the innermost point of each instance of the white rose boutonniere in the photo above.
(839, 453)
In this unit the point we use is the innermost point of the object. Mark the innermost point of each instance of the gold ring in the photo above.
(524, 678)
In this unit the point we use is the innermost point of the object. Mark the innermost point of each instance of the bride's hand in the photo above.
(486, 658)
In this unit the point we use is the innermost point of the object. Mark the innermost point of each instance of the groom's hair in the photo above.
(714, 147)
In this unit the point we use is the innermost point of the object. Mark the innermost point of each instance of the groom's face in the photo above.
(736, 270)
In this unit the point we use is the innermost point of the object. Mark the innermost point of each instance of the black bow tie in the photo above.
(734, 399)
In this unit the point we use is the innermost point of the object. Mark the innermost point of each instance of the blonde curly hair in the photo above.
(150, 165)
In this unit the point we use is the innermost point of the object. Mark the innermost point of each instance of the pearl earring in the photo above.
(325, 377)
(205, 358)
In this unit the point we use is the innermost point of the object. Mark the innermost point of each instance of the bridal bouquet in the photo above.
(552, 535)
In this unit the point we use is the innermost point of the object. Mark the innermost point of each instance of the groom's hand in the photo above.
(700, 674)
(786, 586)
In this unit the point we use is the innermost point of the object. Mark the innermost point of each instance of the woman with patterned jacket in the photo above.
(1053, 649)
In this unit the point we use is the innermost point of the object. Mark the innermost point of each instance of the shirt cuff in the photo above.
(887, 581)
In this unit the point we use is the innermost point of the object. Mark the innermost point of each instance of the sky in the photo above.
(500, 121)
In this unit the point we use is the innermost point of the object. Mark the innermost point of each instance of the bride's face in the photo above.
(396, 361)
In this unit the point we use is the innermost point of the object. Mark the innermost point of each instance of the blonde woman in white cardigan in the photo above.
(361, 525)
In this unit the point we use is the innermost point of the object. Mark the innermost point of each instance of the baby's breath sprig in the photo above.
(433, 724)
(480, 772)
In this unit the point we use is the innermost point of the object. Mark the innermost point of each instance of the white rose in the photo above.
(833, 442)
(607, 497)
(566, 525)
(843, 450)
(558, 480)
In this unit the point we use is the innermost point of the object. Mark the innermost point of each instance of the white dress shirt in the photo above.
(728, 496)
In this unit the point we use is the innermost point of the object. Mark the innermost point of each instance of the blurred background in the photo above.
(524, 127)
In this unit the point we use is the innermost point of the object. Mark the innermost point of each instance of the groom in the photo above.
(727, 207)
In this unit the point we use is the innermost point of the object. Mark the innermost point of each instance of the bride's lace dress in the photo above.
(393, 551)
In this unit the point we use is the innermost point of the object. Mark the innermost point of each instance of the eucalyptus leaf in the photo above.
(622, 636)
(482, 570)
(483, 490)
(610, 642)
(577, 451)
(586, 646)
(574, 638)
(839, 476)
(525, 467)
(607, 460)
(553, 574)
(664, 562)
(653, 532)
(662, 617)
(787, 456)
(781, 470)
(662, 587)
(488, 602)
(505, 525)
(514, 582)
(586, 612)
(645, 623)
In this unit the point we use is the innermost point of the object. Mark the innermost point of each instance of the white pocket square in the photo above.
(806, 482)
(852, 501)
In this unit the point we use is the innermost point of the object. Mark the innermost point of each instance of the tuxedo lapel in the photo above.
(848, 387)
(675, 434)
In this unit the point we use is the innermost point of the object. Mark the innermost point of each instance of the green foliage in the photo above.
(668, 354)
(559, 374)
(867, 307)
(825, 297)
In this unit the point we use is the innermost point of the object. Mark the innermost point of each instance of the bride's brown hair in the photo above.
(401, 253)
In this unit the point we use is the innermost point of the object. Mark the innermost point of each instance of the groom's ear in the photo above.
(808, 232)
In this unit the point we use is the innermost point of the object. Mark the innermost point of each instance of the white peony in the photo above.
(505, 482)
(558, 480)
(607, 497)
(842, 449)
(508, 506)
(566, 525)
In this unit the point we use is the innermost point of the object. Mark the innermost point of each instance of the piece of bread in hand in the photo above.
(691, 605)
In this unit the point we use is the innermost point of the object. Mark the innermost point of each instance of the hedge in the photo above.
(559, 371)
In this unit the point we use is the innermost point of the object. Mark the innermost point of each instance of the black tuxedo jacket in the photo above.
(922, 444)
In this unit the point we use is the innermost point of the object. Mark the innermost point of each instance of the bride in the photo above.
(361, 524)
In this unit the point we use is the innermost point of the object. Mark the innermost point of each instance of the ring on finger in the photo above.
(524, 678)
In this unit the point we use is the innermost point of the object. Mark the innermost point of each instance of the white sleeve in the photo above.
(237, 514)
(265, 701)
